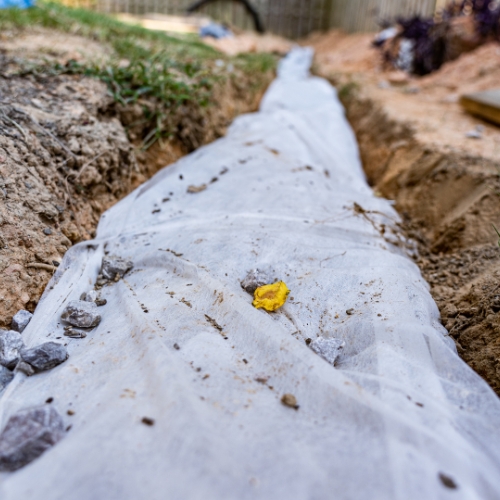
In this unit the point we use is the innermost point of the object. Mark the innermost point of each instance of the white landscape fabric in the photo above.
(398, 416)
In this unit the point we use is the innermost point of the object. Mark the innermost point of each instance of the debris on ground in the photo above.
(27, 435)
(72, 333)
(476, 133)
(45, 356)
(215, 30)
(290, 400)
(271, 297)
(20, 320)
(328, 349)
(485, 105)
(255, 279)
(421, 46)
(11, 343)
(6, 377)
(196, 189)
(81, 314)
(114, 267)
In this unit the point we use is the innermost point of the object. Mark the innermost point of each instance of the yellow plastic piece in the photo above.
(271, 297)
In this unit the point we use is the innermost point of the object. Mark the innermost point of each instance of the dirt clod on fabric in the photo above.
(290, 400)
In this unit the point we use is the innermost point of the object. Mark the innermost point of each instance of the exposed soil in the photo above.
(246, 42)
(68, 152)
(413, 143)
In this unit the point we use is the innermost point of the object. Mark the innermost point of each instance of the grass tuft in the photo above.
(169, 71)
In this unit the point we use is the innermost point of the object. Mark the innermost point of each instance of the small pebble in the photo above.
(20, 320)
(74, 334)
(148, 421)
(290, 400)
(47, 231)
(255, 279)
(447, 481)
(11, 344)
(6, 377)
(27, 435)
(25, 368)
(45, 356)
(350, 312)
(114, 268)
(328, 349)
(81, 314)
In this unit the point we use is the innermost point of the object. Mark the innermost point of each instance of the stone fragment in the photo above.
(20, 320)
(114, 267)
(11, 343)
(27, 435)
(45, 356)
(255, 279)
(25, 368)
(74, 334)
(89, 296)
(81, 314)
(290, 400)
(328, 349)
(5, 377)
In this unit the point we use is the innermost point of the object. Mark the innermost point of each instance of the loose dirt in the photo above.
(68, 152)
(413, 143)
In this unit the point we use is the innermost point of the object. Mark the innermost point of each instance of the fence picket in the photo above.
(292, 18)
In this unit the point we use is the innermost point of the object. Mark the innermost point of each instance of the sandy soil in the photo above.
(43, 44)
(412, 137)
(68, 152)
(251, 42)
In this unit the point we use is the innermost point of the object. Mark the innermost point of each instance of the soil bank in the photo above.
(413, 140)
(69, 151)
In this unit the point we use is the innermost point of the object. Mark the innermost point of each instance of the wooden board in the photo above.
(483, 104)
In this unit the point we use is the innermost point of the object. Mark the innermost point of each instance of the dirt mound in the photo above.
(414, 147)
(343, 53)
(40, 44)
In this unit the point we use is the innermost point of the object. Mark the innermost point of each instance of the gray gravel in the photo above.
(5, 377)
(11, 343)
(81, 314)
(257, 278)
(20, 320)
(27, 435)
(114, 267)
(45, 356)
(328, 349)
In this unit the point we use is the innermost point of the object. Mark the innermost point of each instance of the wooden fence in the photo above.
(366, 15)
(290, 18)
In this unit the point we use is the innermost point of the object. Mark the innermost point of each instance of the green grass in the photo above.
(167, 70)
(127, 40)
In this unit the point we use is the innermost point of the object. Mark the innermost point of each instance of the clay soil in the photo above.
(413, 140)
(68, 152)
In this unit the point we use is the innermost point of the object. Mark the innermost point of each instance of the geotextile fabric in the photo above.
(398, 415)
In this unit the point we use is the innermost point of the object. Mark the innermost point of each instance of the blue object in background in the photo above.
(214, 30)
(19, 4)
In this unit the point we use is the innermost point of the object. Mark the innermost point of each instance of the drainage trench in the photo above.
(449, 202)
